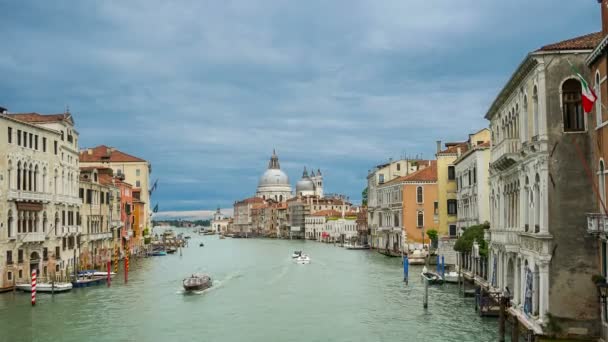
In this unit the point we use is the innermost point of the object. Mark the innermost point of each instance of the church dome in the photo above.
(272, 177)
(305, 185)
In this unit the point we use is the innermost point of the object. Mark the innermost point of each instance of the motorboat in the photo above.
(296, 254)
(197, 282)
(417, 257)
(187, 237)
(303, 259)
(158, 253)
(356, 247)
(171, 250)
(451, 277)
(201, 245)
(432, 277)
(45, 287)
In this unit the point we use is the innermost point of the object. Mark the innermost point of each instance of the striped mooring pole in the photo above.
(115, 258)
(33, 287)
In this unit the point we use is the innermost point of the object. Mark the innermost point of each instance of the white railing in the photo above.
(32, 237)
(21, 195)
(504, 237)
(99, 236)
(116, 223)
(71, 200)
(597, 223)
(507, 146)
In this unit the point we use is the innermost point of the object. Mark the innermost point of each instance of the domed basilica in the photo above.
(274, 183)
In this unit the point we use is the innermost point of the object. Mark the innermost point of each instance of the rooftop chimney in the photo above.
(90, 151)
(458, 150)
(604, 10)
(438, 146)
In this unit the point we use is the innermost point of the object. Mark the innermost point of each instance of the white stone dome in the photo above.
(304, 185)
(273, 177)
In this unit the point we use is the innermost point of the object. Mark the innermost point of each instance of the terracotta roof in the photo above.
(104, 153)
(105, 179)
(40, 118)
(453, 148)
(250, 200)
(428, 174)
(586, 42)
(485, 144)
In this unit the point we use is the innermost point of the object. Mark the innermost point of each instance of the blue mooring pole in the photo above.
(442, 266)
(438, 265)
(406, 266)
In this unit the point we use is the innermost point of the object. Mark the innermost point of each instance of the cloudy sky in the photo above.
(206, 89)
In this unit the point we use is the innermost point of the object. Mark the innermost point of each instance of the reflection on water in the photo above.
(258, 294)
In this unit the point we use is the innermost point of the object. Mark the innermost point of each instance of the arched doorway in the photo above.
(35, 262)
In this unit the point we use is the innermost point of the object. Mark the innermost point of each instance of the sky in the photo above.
(205, 90)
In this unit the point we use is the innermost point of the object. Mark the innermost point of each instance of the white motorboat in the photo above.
(296, 254)
(353, 247)
(45, 287)
(103, 274)
(303, 259)
(451, 277)
(417, 257)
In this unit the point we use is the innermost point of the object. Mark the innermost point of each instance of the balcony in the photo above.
(29, 196)
(99, 236)
(32, 237)
(505, 154)
(116, 223)
(69, 200)
(597, 223)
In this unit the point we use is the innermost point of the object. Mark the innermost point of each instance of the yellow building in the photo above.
(446, 186)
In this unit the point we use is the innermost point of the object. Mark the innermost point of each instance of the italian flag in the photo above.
(589, 97)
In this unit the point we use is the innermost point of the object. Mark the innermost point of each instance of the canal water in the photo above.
(259, 294)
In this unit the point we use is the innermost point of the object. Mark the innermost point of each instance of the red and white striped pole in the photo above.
(33, 287)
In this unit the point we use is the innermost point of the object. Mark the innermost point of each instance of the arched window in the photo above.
(420, 219)
(419, 195)
(280, 198)
(602, 182)
(535, 112)
(36, 175)
(572, 107)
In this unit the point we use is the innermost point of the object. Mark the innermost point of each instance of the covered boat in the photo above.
(197, 282)
(45, 287)
(303, 259)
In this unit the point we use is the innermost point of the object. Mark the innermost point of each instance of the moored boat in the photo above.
(197, 282)
(451, 277)
(171, 250)
(45, 287)
(432, 277)
(356, 247)
(158, 253)
(416, 258)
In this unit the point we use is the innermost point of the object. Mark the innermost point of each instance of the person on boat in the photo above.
(424, 269)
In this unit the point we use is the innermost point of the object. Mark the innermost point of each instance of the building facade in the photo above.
(419, 207)
(39, 202)
(472, 182)
(100, 216)
(219, 224)
(136, 171)
(447, 187)
(376, 177)
(538, 244)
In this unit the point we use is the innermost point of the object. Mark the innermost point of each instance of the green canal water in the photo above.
(259, 294)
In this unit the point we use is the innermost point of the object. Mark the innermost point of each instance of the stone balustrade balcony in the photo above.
(69, 200)
(29, 196)
(597, 223)
(99, 236)
(32, 237)
(505, 154)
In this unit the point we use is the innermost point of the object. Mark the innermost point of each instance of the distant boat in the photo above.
(296, 254)
(432, 277)
(45, 287)
(197, 282)
(303, 259)
(201, 245)
(171, 250)
(355, 246)
(158, 253)
(222, 237)
(416, 258)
